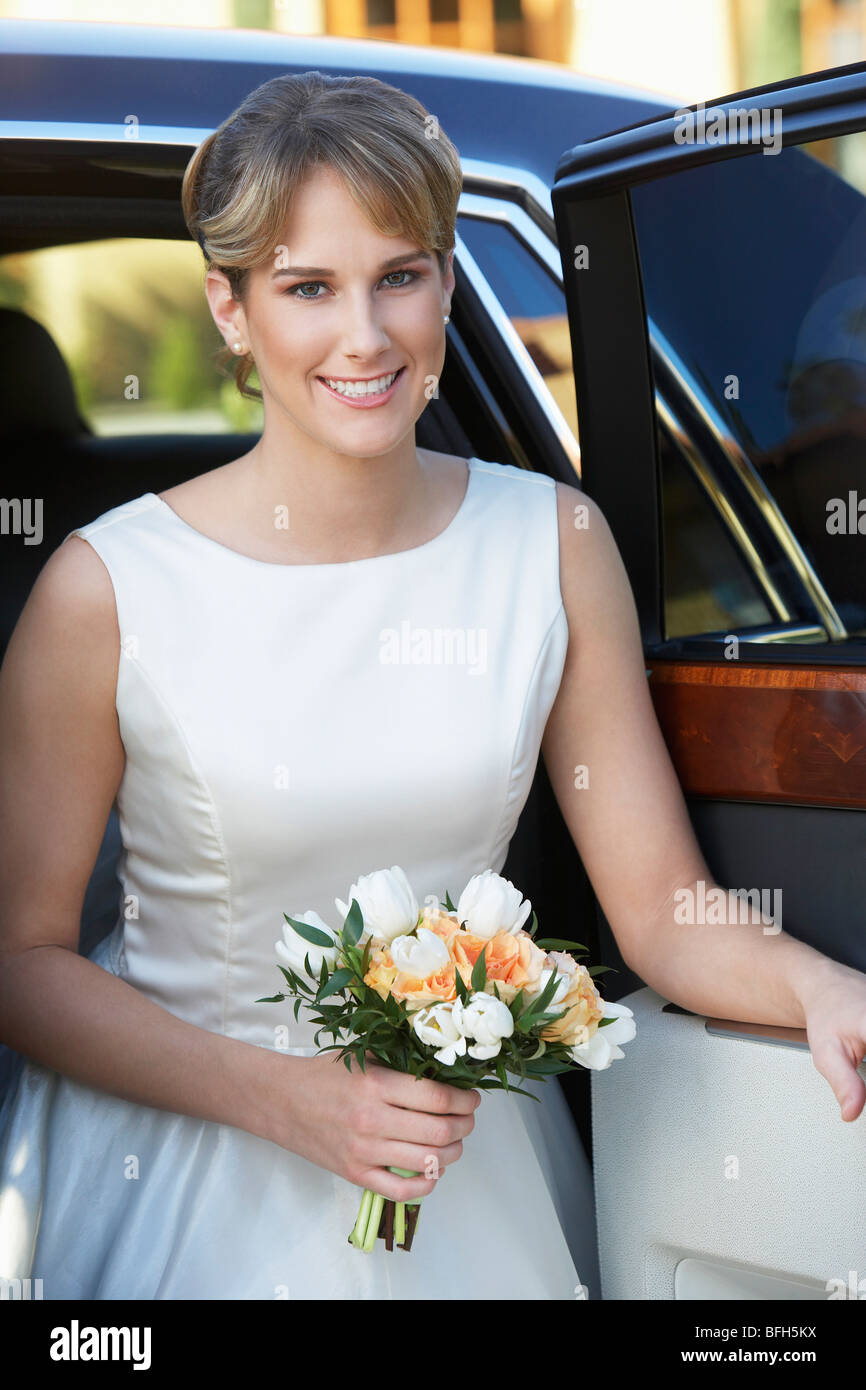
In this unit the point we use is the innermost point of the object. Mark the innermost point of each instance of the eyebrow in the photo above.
(312, 270)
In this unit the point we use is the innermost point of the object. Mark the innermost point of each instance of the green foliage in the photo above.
(180, 377)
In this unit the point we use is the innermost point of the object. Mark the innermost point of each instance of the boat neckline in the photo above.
(453, 525)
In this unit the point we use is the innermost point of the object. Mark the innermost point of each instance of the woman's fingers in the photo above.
(429, 1162)
(417, 1127)
(421, 1093)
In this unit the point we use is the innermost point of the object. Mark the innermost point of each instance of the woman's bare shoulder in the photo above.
(71, 610)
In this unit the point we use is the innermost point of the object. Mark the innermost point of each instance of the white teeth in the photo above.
(361, 388)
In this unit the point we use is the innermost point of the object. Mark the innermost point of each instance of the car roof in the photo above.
(507, 110)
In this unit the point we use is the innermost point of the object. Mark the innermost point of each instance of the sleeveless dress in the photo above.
(287, 729)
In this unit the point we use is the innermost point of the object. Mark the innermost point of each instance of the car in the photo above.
(664, 307)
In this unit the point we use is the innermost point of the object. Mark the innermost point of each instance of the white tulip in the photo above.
(486, 1019)
(603, 1048)
(293, 948)
(387, 903)
(436, 1027)
(421, 955)
(489, 904)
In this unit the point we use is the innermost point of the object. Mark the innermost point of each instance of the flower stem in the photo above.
(359, 1231)
(375, 1217)
(366, 1229)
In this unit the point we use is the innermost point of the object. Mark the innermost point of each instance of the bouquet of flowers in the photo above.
(464, 995)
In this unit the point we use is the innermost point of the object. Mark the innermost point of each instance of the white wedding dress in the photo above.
(288, 728)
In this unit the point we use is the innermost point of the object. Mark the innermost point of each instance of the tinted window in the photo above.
(707, 585)
(532, 300)
(755, 268)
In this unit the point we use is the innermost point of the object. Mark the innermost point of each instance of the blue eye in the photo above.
(294, 289)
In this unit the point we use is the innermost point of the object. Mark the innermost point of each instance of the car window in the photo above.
(768, 256)
(133, 326)
(708, 587)
(533, 301)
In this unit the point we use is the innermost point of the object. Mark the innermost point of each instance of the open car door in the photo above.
(714, 265)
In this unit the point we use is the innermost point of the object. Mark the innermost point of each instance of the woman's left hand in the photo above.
(835, 1009)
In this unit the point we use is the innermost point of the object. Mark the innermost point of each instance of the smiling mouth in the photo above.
(362, 390)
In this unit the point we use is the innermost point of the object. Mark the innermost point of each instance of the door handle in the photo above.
(748, 1032)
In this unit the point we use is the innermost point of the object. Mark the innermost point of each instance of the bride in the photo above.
(210, 658)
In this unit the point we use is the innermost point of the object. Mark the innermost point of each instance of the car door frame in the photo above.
(613, 350)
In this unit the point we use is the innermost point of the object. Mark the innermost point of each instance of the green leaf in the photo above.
(354, 923)
(294, 981)
(557, 943)
(365, 961)
(549, 1016)
(600, 969)
(336, 982)
(531, 1015)
(544, 998)
(270, 999)
(462, 991)
(534, 928)
(517, 1003)
(448, 903)
(314, 935)
(478, 978)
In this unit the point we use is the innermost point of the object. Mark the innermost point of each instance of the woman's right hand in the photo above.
(358, 1124)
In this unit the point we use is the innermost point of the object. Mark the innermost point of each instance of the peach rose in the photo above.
(436, 989)
(443, 923)
(583, 1009)
(465, 949)
(381, 971)
(512, 960)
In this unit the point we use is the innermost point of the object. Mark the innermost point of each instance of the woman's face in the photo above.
(333, 306)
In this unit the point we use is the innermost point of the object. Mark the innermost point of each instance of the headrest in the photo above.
(36, 391)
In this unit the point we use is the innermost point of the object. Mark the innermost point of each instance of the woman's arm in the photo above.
(629, 821)
(61, 761)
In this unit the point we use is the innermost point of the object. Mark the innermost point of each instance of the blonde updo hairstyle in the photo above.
(399, 166)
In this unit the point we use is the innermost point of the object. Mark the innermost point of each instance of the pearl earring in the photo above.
(237, 347)
(447, 318)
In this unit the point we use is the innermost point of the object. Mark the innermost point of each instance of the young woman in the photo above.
(221, 674)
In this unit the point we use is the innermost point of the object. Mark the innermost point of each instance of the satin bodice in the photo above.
(288, 728)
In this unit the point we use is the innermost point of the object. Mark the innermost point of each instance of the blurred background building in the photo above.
(684, 48)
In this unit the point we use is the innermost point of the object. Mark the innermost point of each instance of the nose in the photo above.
(363, 332)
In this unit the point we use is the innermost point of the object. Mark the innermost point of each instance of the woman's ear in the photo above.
(228, 313)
